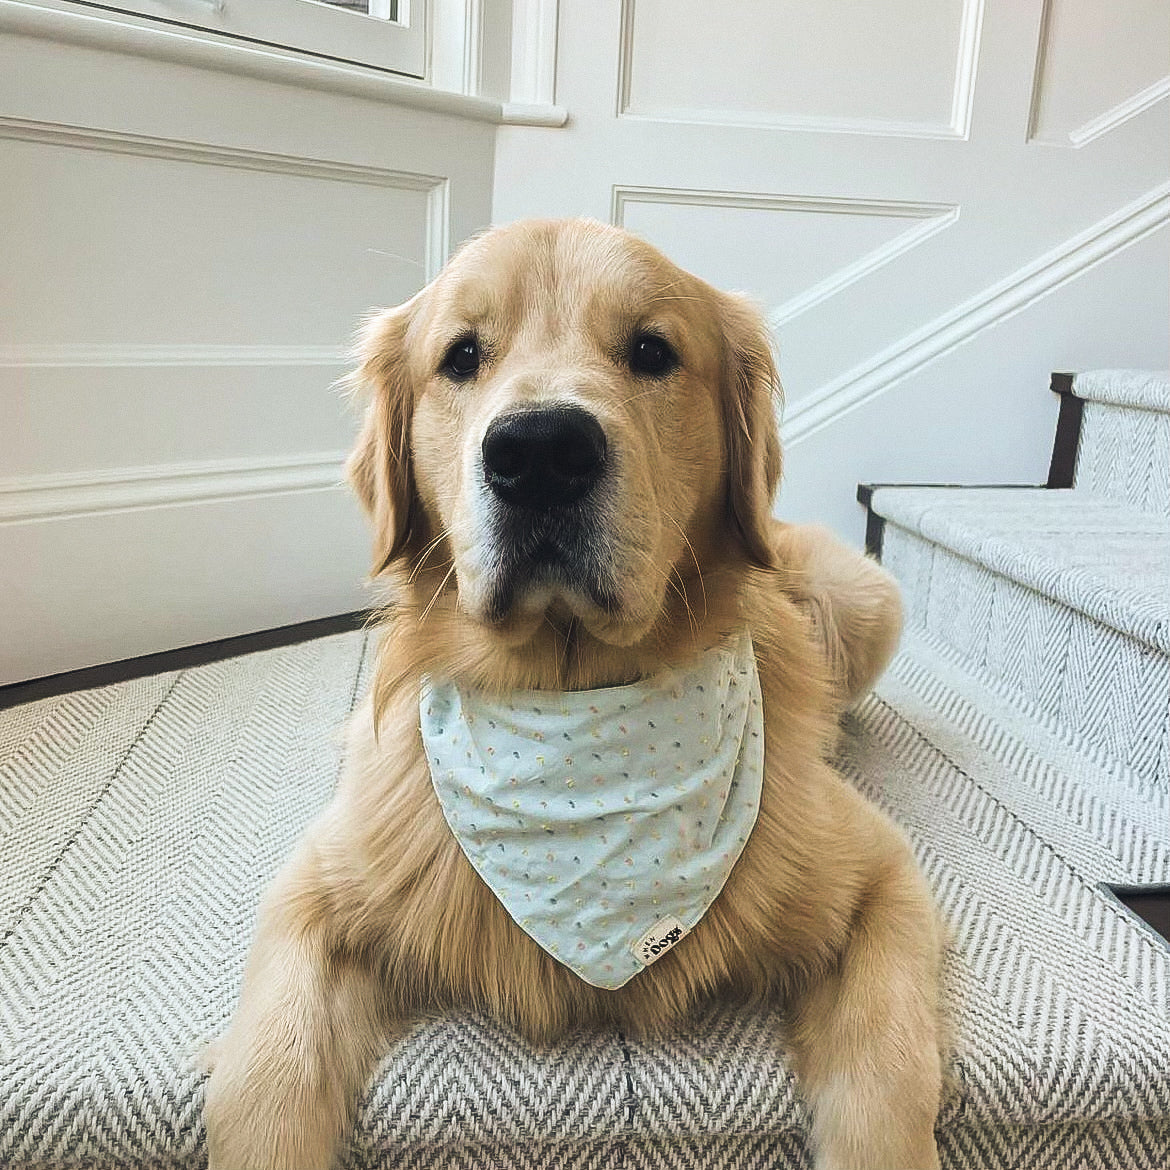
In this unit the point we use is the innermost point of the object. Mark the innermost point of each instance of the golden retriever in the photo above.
(643, 537)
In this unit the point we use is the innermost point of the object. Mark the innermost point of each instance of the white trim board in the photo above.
(534, 54)
(1096, 127)
(55, 497)
(1057, 267)
(1120, 113)
(211, 154)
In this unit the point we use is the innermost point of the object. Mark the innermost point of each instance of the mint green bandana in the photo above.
(605, 821)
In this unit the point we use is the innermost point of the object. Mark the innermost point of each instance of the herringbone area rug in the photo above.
(139, 824)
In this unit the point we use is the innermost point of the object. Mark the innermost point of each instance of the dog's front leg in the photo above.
(287, 1073)
(866, 1034)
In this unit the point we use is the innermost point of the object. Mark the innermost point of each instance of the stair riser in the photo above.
(1105, 686)
(1124, 454)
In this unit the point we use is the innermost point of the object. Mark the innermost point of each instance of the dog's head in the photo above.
(562, 420)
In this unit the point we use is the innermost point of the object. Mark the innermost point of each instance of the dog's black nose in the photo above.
(543, 457)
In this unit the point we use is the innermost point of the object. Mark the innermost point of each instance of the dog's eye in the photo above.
(652, 356)
(462, 359)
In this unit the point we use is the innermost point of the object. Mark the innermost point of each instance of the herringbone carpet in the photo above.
(140, 822)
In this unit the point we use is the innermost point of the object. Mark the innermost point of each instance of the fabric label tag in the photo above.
(658, 940)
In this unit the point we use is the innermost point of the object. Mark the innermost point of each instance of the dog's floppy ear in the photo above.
(751, 394)
(379, 468)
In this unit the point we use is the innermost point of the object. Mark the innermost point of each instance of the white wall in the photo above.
(937, 201)
(189, 239)
(908, 188)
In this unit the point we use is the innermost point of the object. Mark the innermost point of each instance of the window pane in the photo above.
(392, 36)
(383, 9)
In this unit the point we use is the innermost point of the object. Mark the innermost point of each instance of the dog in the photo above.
(569, 455)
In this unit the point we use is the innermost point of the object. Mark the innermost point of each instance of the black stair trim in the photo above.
(875, 525)
(1063, 465)
(1150, 905)
(181, 658)
(1060, 471)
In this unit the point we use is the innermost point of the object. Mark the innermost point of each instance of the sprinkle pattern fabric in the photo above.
(605, 821)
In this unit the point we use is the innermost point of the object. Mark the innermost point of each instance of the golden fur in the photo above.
(379, 915)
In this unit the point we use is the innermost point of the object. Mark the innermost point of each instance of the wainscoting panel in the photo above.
(194, 247)
(904, 68)
(94, 416)
(1097, 66)
(188, 254)
(98, 586)
(788, 251)
(892, 183)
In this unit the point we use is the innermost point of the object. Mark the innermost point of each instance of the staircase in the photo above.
(1020, 737)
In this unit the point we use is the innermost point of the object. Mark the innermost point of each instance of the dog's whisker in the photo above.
(424, 556)
(678, 587)
(642, 394)
(435, 596)
(562, 659)
(691, 550)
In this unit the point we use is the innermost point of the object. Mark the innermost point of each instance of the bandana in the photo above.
(605, 821)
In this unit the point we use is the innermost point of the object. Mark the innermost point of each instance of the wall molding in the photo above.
(117, 354)
(1120, 113)
(131, 35)
(1096, 127)
(998, 302)
(1038, 69)
(435, 187)
(69, 494)
(534, 53)
(456, 35)
(210, 154)
(958, 124)
(933, 217)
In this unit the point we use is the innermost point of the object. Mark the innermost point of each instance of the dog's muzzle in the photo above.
(544, 458)
(544, 468)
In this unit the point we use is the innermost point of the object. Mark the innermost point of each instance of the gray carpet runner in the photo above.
(1124, 450)
(140, 823)
(1062, 595)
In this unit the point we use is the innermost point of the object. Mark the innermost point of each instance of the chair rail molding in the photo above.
(126, 356)
(60, 496)
(182, 150)
(1028, 284)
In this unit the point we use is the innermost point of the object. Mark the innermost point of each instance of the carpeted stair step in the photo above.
(142, 821)
(1059, 595)
(1124, 449)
